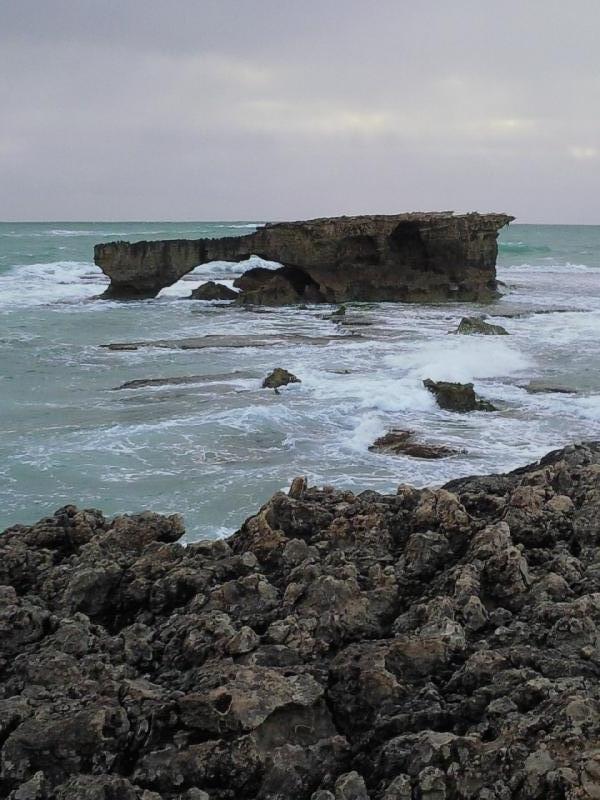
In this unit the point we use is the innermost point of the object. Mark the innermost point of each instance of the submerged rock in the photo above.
(459, 397)
(400, 442)
(182, 380)
(477, 325)
(433, 643)
(407, 257)
(213, 291)
(547, 387)
(216, 340)
(279, 377)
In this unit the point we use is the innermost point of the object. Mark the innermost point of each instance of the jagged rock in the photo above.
(400, 442)
(434, 643)
(459, 397)
(279, 377)
(213, 291)
(407, 257)
(477, 325)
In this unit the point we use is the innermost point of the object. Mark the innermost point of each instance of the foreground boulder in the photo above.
(408, 257)
(477, 325)
(401, 442)
(279, 377)
(458, 397)
(432, 643)
(213, 291)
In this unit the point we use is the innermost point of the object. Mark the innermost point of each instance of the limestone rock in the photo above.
(406, 257)
(435, 643)
(459, 397)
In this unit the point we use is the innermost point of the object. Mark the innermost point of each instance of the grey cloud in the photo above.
(216, 110)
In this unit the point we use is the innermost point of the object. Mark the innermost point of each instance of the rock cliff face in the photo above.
(433, 644)
(407, 257)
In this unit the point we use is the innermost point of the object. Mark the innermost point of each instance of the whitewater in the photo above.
(216, 448)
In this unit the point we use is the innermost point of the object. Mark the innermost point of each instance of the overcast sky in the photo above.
(280, 109)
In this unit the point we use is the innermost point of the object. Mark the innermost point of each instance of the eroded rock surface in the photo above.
(408, 257)
(434, 643)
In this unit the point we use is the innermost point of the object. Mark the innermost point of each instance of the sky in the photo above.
(280, 109)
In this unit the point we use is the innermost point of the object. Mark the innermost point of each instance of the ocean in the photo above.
(216, 448)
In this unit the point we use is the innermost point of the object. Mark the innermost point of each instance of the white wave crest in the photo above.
(220, 271)
(57, 281)
(464, 359)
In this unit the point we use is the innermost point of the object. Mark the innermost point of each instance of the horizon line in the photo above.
(247, 221)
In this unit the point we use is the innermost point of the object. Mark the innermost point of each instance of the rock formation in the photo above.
(440, 644)
(407, 257)
(458, 397)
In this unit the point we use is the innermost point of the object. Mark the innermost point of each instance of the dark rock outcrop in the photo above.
(279, 377)
(477, 325)
(407, 257)
(434, 643)
(400, 442)
(458, 397)
(213, 291)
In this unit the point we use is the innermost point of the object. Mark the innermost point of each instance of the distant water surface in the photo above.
(216, 449)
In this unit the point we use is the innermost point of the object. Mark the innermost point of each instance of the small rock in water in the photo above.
(213, 291)
(459, 397)
(477, 325)
(399, 442)
(279, 377)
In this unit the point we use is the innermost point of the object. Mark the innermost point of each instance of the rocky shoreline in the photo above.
(434, 644)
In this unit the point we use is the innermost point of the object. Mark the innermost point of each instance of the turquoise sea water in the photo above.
(215, 449)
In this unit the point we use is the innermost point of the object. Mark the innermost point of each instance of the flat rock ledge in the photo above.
(440, 644)
(416, 257)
